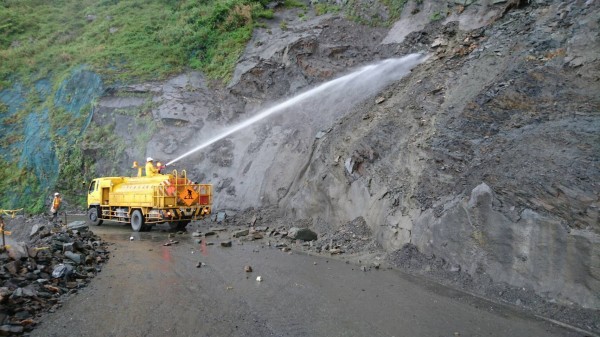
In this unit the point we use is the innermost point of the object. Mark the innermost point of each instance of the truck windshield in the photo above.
(92, 186)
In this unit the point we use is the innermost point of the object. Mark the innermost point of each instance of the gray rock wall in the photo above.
(411, 161)
(536, 252)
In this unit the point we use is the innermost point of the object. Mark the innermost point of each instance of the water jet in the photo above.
(365, 82)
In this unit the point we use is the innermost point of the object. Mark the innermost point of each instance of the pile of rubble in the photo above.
(352, 237)
(36, 276)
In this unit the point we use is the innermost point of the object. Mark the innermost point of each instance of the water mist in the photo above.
(344, 91)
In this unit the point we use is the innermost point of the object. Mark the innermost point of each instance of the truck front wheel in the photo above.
(137, 221)
(93, 218)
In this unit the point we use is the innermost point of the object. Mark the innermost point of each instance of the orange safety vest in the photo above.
(56, 203)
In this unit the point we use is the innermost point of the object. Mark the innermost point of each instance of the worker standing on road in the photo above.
(150, 169)
(55, 206)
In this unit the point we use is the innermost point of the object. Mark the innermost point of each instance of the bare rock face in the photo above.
(493, 117)
(534, 252)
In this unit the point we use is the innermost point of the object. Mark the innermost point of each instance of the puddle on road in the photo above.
(153, 236)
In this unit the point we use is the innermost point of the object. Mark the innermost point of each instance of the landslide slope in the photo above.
(487, 160)
(485, 157)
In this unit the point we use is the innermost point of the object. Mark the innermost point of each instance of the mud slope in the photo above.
(485, 156)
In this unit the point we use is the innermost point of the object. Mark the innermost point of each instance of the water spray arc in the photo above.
(383, 67)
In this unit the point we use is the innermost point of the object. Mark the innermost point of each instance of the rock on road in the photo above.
(148, 289)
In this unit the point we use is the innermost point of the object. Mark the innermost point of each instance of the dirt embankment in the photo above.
(485, 157)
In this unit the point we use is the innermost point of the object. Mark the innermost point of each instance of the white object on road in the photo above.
(259, 278)
(131, 238)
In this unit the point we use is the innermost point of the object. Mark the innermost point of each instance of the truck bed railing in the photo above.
(179, 191)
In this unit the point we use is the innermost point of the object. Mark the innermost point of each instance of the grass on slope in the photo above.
(123, 40)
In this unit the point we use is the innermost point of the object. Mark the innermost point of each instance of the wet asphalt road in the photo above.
(147, 289)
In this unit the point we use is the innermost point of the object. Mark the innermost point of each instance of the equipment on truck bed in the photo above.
(144, 201)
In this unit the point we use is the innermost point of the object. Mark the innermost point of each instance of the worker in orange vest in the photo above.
(55, 206)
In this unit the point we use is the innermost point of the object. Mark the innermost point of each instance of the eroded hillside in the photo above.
(481, 164)
(485, 156)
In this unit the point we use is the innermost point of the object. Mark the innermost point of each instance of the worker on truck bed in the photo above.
(160, 167)
(55, 206)
(150, 169)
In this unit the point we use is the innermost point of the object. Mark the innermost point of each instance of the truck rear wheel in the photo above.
(93, 218)
(137, 221)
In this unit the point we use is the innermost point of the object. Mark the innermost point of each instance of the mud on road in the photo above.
(167, 284)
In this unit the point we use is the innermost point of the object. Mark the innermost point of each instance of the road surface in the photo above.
(148, 289)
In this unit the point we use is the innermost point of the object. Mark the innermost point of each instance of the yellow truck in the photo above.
(145, 201)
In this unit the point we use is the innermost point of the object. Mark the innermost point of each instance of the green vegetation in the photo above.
(75, 171)
(395, 8)
(283, 25)
(124, 40)
(20, 187)
(143, 110)
(294, 4)
(367, 14)
(436, 16)
(149, 128)
(111, 147)
(324, 8)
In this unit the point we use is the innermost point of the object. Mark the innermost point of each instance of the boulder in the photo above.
(78, 225)
(304, 234)
(17, 250)
(73, 257)
(240, 233)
